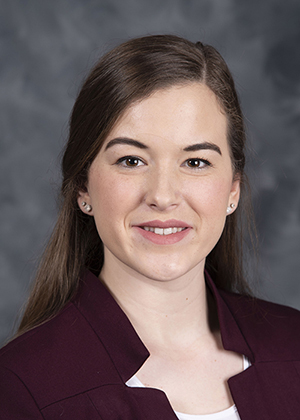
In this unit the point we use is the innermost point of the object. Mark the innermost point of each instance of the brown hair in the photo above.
(128, 73)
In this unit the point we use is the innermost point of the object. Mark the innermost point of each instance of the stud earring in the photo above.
(86, 206)
(230, 208)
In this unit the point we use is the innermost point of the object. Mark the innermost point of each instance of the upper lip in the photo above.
(165, 224)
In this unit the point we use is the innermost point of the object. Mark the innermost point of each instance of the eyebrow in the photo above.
(125, 140)
(203, 146)
(140, 145)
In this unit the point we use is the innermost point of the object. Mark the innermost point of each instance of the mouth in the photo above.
(166, 232)
(163, 231)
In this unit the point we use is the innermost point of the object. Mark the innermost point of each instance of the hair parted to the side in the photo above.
(128, 73)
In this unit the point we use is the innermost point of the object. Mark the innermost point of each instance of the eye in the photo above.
(196, 163)
(130, 161)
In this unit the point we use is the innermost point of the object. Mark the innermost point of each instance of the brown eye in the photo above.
(132, 161)
(195, 163)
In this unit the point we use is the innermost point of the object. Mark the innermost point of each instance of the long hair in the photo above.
(129, 73)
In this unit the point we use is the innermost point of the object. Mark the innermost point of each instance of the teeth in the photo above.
(160, 231)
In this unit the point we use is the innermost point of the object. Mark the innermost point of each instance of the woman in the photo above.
(133, 315)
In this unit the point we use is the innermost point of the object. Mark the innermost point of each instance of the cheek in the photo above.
(218, 194)
(212, 210)
(210, 195)
(112, 195)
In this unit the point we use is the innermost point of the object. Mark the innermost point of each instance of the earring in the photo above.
(230, 208)
(86, 206)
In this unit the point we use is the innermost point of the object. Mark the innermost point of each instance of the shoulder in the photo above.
(65, 350)
(271, 330)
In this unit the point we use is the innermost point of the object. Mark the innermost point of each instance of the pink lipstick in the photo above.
(164, 232)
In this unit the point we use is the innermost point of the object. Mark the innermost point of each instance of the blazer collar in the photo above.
(120, 339)
(232, 337)
(111, 325)
(265, 390)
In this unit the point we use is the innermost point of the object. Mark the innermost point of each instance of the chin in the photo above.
(165, 273)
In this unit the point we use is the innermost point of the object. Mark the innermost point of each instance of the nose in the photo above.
(162, 190)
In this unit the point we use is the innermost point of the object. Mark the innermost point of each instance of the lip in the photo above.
(165, 224)
(163, 239)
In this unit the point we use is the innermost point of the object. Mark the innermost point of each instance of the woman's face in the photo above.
(161, 184)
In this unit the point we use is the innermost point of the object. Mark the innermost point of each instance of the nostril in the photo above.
(162, 205)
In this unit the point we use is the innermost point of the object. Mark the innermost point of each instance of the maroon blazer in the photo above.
(74, 367)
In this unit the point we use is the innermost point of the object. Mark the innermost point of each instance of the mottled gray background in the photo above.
(47, 48)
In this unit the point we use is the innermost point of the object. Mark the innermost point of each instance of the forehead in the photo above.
(177, 114)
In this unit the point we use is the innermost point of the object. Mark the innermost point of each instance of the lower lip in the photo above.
(173, 238)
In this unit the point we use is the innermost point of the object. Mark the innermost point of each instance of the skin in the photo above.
(162, 288)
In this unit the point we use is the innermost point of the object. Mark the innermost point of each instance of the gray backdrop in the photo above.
(47, 48)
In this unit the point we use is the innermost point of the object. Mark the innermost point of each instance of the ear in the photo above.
(84, 202)
(234, 195)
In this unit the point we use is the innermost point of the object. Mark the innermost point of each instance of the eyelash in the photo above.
(201, 161)
(122, 162)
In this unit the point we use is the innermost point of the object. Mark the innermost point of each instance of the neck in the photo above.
(165, 312)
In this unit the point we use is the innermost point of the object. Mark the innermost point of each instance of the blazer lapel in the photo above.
(267, 391)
